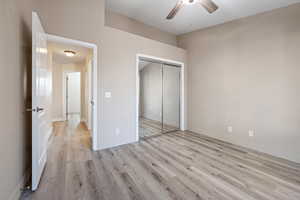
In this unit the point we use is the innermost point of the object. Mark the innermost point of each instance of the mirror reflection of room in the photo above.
(159, 107)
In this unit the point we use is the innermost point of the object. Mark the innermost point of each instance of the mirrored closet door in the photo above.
(171, 98)
(150, 120)
(159, 107)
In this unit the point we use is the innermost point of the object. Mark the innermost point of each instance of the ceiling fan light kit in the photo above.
(209, 5)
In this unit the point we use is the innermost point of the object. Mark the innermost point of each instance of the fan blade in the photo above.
(209, 5)
(175, 10)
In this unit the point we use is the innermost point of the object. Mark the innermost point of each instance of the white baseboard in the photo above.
(16, 194)
(58, 119)
(50, 136)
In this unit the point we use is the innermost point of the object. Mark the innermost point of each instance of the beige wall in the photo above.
(246, 74)
(118, 75)
(117, 61)
(15, 65)
(57, 92)
(130, 25)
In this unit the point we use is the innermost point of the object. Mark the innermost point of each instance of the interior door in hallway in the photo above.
(41, 100)
(73, 93)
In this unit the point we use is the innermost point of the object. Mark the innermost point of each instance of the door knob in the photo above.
(38, 109)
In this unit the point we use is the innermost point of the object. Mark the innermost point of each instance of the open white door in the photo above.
(41, 100)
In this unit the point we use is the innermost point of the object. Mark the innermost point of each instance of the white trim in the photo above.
(49, 134)
(83, 120)
(137, 83)
(94, 47)
(95, 99)
(58, 119)
(59, 39)
(89, 83)
(50, 139)
(182, 91)
(17, 192)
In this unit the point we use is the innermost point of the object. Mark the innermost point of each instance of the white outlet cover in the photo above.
(251, 133)
(107, 94)
(117, 131)
(229, 129)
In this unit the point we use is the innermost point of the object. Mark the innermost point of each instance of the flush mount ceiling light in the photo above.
(189, 2)
(69, 53)
(209, 5)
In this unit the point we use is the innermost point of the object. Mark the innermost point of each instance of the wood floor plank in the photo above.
(185, 167)
(178, 165)
(250, 163)
(149, 128)
(223, 173)
(167, 180)
(108, 180)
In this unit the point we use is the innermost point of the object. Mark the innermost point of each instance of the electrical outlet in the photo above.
(251, 133)
(107, 94)
(117, 131)
(229, 129)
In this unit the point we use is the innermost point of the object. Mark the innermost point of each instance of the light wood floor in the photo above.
(150, 128)
(181, 165)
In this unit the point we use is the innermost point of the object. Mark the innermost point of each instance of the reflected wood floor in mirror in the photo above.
(149, 128)
(179, 165)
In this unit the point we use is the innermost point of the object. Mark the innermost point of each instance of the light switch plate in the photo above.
(251, 133)
(117, 131)
(107, 94)
(229, 129)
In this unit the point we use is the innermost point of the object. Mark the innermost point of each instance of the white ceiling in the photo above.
(191, 17)
(60, 57)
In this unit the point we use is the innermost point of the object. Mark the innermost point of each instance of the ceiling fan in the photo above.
(209, 5)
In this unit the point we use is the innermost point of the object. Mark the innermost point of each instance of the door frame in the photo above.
(182, 89)
(59, 39)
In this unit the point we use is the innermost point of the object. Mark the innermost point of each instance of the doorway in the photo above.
(73, 94)
(160, 86)
(83, 72)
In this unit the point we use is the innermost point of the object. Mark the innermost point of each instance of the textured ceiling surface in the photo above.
(191, 17)
(60, 57)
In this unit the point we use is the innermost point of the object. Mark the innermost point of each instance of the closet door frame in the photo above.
(183, 107)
